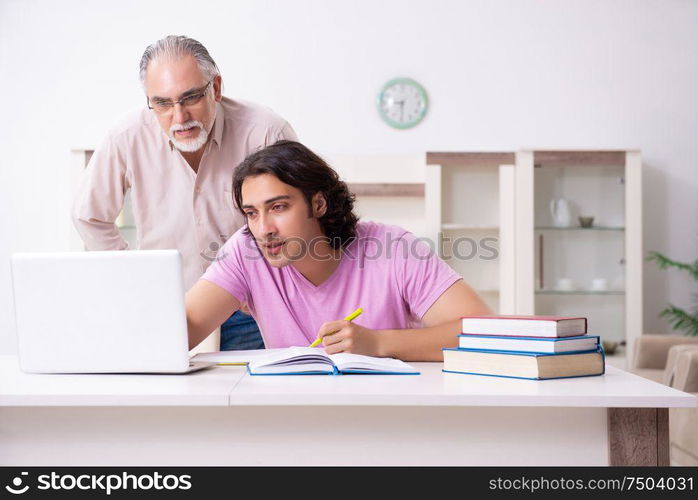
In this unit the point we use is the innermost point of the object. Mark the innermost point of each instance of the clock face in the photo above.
(402, 103)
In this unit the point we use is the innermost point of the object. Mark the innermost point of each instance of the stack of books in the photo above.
(530, 347)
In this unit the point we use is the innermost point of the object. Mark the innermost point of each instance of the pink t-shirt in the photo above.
(386, 270)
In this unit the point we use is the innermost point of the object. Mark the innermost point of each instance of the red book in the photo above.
(524, 326)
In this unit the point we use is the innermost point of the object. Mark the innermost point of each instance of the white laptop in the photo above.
(101, 312)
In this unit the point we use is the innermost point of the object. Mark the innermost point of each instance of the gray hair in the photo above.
(176, 47)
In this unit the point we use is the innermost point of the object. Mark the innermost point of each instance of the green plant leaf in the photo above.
(681, 320)
(665, 262)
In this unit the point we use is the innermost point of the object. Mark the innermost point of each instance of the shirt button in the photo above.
(198, 190)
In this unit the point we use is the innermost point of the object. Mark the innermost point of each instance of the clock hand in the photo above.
(402, 110)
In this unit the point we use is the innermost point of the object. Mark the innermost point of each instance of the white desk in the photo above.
(222, 416)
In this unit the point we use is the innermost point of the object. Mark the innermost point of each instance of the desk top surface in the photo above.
(231, 385)
(209, 387)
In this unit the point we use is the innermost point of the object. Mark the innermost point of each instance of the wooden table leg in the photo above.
(638, 436)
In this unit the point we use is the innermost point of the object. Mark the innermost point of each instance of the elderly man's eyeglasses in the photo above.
(164, 106)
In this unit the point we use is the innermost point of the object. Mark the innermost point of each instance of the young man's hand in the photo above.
(349, 337)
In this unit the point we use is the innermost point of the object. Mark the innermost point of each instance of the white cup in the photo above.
(565, 284)
(599, 284)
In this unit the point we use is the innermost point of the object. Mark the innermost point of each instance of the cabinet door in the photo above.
(579, 238)
(470, 213)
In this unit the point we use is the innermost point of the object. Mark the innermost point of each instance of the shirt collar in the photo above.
(218, 125)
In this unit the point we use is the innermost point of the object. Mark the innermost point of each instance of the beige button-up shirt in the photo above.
(173, 206)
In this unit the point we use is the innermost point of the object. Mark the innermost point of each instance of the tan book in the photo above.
(528, 365)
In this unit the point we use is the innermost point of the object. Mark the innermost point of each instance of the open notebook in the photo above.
(314, 361)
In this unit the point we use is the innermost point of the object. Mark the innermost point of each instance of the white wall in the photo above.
(500, 75)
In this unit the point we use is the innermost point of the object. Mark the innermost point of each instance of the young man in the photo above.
(177, 156)
(304, 260)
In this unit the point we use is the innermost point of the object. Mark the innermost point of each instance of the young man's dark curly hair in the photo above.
(296, 165)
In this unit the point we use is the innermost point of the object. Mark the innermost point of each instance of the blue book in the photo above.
(529, 344)
(525, 365)
(314, 361)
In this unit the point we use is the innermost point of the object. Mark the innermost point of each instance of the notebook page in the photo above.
(291, 356)
(348, 361)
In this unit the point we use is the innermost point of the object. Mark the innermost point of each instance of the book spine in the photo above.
(532, 353)
(521, 337)
(552, 319)
(522, 378)
(511, 336)
(524, 353)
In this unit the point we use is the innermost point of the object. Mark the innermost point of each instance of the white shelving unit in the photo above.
(389, 188)
(469, 203)
(506, 196)
(608, 186)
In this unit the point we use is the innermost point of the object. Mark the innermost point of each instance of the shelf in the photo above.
(562, 158)
(580, 228)
(580, 292)
(457, 159)
(387, 189)
(465, 227)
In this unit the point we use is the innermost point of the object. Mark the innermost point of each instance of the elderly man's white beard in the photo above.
(191, 145)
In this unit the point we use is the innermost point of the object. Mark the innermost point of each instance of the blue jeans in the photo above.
(240, 332)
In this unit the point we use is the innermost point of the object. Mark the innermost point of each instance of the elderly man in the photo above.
(177, 158)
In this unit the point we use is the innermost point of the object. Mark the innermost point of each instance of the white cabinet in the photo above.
(594, 271)
(470, 212)
(547, 261)
(389, 188)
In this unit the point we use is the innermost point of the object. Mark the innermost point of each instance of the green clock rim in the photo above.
(422, 93)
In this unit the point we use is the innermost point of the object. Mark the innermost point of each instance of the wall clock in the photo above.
(402, 103)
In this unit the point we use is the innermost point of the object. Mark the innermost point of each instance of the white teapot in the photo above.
(561, 212)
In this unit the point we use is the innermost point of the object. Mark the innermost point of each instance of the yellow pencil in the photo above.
(351, 317)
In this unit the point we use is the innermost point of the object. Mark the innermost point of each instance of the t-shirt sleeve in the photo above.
(421, 275)
(228, 271)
